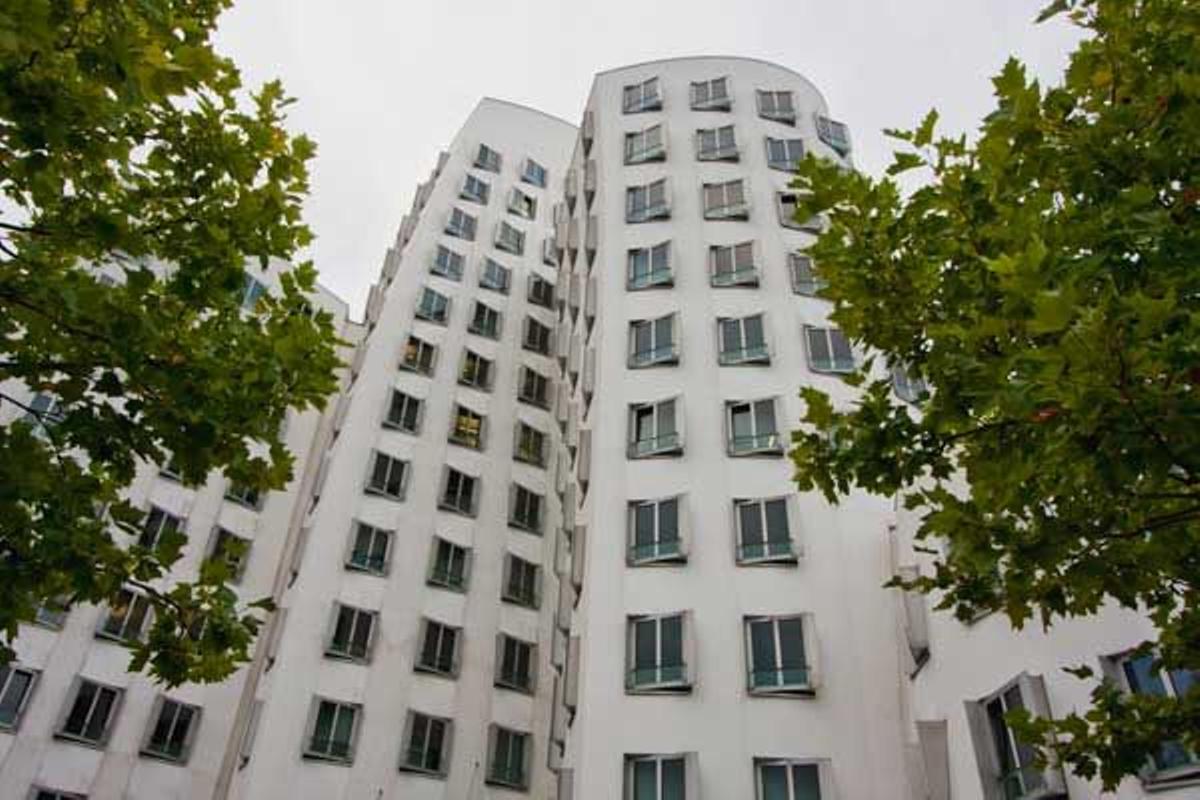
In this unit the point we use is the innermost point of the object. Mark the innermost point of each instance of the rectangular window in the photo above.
(370, 549)
(52, 613)
(732, 265)
(461, 224)
(1142, 675)
(403, 413)
(91, 714)
(467, 428)
(510, 239)
(387, 476)
(450, 567)
(726, 200)
(439, 649)
(127, 617)
(650, 267)
(716, 144)
(458, 492)
(833, 133)
(243, 495)
(159, 527)
(763, 532)
(908, 387)
(475, 190)
(353, 633)
(447, 263)
(525, 509)
(541, 292)
(656, 654)
(173, 731)
(784, 154)
(1006, 763)
(828, 350)
(805, 280)
(230, 551)
(743, 341)
(419, 356)
(508, 758)
(433, 306)
(752, 429)
(516, 663)
(485, 321)
(332, 731)
(652, 342)
(55, 794)
(533, 388)
(787, 779)
(533, 172)
(426, 744)
(645, 145)
(660, 777)
(642, 96)
(521, 582)
(787, 204)
(647, 202)
(653, 430)
(521, 204)
(252, 291)
(495, 276)
(654, 532)
(711, 95)
(776, 652)
(549, 252)
(778, 106)
(488, 159)
(476, 371)
(530, 445)
(16, 687)
(537, 337)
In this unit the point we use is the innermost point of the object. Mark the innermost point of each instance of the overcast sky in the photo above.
(384, 84)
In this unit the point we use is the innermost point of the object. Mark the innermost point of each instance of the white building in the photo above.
(546, 543)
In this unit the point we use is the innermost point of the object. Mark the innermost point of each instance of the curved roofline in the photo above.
(523, 107)
(815, 88)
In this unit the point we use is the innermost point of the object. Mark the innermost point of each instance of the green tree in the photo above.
(1044, 281)
(126, 141)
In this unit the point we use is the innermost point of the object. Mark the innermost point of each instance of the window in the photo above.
(52, 613)
(648, 202)
(461, 224)
(516, 663)
(159, 527)
(655, 660)
(90, 715)
(332, 731)
(476, 371)
(44, 411)
(487, 159)
(1140, 674)
(352, 635)
(508, 757)
(530, 445)
(403, 413)
(55, 794)
(467, 428)
(645, 145)
(805, 280)
(1006, 763)
(732, 265)
(752, 429)
(369, 550)
(908, 387)
(711, 95)
(173, 731)
(833, 133)
(433, 306)
(828, 350)
(427, 744)
(387, 476)
(419, 356)
(654, 532)
(775, 647)
(652, 342)
(439, 649)
(642, 97)
(252, 291)
(541, 292)
(521, 204)
(787, 779)
(475, 190)
(650, 267)
(787, 204)
(171, 470)
(533, 172)
(230, 551)
(127, 617)
(447, 263)
(778, 106)
(763, 533)
(726, 200)
(743, 341)
(16, 686)
(485, 321)
(458, 492)
(450, 565)
(525, 509)
(244, 495)
(716, 144)
(533, 388)
(784, 154)
(537, 337)
(653, 430)
(660, 777)
(549, 252)
(521, 582)
(510, 239)
(494, 276)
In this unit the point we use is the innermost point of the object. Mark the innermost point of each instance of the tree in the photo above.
(1044, 282)
(126, 143)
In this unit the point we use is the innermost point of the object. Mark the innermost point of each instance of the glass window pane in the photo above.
(673, 779)
(645, 780)
(751, 523)
(668, 520)
(645, 644)
(791, 644)
(323, 728)
(774, 782)
(643, 524)
(671, 632)
(666, 418)
(818, 347)
(777, 521)
(10, 702)
(753, 327)
(806, 782)
(99, 719)
(762, 645)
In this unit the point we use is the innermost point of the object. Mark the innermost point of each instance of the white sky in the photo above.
(383, 85)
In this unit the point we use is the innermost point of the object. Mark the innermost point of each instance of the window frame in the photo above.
(738, 275)
(7, 674)
(673, 555)
(445, 746)
(766, 443)
(728, 210)
(647, 210)
(833, 366)
(421, 347)
(436, 310)
(144, 618)
(534, 340)
(509, 238)
(533, 173)
(447, 263)
(456, 632)
(542, 402)
(789, 145)
(661, 682)
(712, 102)
(806, 686)
(719, 152)
(161, 704)
(405, 469)
(466, 484)
(493, 267)
(787, 117)
(374, 534)
(485, 321)
(510, 779)
(346, 651)
(824, 779)
(833, 133)
(310, 730)
(646, 96)
(515, 503)
(217, 543)
(475, 189)
(405, 404)
(657, 355)
(443, 576)
(469, 370)
(522, 205)
(533, 601)
(672, 447)
(637, 148)
(773, 551)
(814, 224)
(540, 292)
(461, 225)
(1116, 669)
(805, 285)
(488, 159)
(746, 354)
(113, 711)
(502, 679)
(166, 523)
(521, 453)
(689, 761)
(655, 277)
